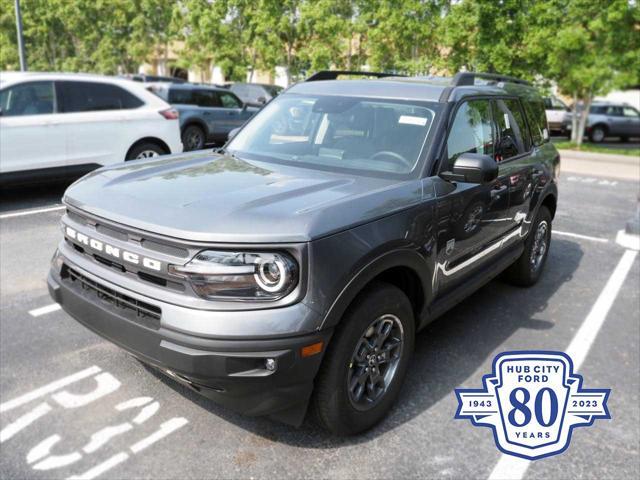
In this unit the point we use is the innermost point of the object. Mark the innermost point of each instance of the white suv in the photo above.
(54, 125)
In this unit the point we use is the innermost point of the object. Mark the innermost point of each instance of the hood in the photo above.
(210, 197)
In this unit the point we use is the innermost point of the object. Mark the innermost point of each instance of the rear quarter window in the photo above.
(95, 97)
(537, 118)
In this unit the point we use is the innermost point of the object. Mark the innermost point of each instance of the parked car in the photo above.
(207, 114)
(256, 94)
(612, 120)
(558, 116)
(57, 125)
(295, 265)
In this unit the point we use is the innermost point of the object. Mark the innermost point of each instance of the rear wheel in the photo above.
(366, 361)
(527, 269)
(145, 150)
(193, 138)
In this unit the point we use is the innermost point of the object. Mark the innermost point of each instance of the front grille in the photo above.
(135, 310)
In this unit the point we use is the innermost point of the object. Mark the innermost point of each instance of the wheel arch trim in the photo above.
(408, 259)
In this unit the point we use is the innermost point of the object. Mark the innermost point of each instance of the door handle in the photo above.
(496, 192)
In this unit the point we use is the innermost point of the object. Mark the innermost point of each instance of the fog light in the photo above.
(270, 364)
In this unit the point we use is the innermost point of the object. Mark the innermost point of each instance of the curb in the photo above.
(601, 157)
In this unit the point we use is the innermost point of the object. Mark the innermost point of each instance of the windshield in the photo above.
(363, 134)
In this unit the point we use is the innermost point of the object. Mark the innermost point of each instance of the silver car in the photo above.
(611, 120)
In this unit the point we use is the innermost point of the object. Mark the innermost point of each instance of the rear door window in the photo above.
(95, 97)
(32, 98)
(182, 96)
(513, 134)
(471, 131)
(206, 98)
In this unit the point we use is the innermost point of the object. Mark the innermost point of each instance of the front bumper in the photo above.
(231, 372)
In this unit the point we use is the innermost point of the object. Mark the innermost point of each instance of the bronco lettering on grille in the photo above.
(112, 251)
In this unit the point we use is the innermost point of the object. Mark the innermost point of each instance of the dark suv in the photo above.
(296, 265)
(207, 114)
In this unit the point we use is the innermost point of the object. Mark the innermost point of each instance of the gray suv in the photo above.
(294, 267)
(612, 120)
(207, 114)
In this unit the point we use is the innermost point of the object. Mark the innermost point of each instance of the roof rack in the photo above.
(333, 74)
(468, 78)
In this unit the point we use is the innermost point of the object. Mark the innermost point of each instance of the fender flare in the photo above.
(405, 258)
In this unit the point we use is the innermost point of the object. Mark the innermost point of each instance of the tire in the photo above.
(193, 138)
(526, 271)
(598, 134)
(145, 150)
(335, 408)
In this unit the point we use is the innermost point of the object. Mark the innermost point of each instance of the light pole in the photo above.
(23, 58)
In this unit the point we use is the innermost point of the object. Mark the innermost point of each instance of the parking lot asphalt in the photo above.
(74, 406)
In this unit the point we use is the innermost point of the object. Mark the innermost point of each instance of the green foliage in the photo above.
(584, 47)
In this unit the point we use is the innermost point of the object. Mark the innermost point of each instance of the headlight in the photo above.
(217, 275)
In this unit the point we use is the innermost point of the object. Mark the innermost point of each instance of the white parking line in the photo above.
(101, 468)
(24, 421)
(52, 387)
(54, 307)
(31, 212)
(510, 467)
(583, 237)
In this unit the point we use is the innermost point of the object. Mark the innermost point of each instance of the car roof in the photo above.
(14, 77)
(11, 78)
(433, 89)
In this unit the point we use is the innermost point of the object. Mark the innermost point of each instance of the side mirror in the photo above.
(233, 133)
(472, 168)
(244, 106)
(262, 100)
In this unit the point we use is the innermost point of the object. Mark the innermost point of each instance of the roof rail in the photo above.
(468, 78)
(333, 74)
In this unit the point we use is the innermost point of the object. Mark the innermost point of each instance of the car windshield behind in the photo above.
(363, 134)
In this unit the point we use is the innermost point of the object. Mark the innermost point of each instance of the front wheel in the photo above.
(366, 361)
(527, 269)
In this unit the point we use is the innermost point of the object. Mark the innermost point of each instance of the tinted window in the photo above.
(471, 131)
(206, 98)
(229, 100)
(34, 98)
(93, 96)
(615, 111)
(513, 135)
(598, 109)
(537, 118)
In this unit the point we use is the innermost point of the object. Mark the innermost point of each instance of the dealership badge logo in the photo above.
(532, 401)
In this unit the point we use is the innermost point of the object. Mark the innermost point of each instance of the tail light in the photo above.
(170, 114)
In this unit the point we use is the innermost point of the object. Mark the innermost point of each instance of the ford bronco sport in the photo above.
(293, 267)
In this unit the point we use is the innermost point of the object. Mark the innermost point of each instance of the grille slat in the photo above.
(141, 312)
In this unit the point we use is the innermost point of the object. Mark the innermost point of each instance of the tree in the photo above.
(588, 49)
(402, 34)
(488, 36)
